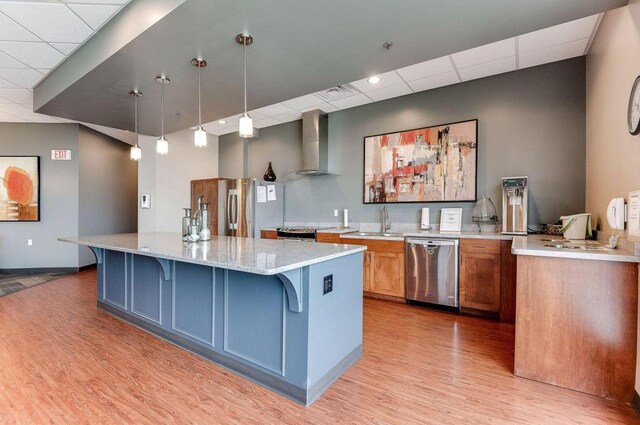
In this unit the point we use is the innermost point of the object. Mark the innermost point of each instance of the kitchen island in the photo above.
(285, 314)
(576, 315)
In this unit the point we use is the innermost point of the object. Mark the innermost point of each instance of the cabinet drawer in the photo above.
(328, 237)
(376, 245)
(268, 234)
(487, 246)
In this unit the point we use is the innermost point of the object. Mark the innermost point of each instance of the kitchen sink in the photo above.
(386, 235)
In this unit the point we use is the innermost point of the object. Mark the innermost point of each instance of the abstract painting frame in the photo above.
(19, 188)
(423, 165)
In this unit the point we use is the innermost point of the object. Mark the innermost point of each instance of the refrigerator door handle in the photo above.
(232, 209)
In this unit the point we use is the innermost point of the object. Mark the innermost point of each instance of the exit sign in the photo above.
(60, 155)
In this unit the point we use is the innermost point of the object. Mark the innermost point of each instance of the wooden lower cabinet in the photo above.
(383, 268)
(328, 237)
(480, 281)
(268, 234)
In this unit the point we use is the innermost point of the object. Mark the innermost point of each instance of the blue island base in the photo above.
(290, 332)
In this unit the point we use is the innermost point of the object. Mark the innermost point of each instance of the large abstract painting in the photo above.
(20, 188)
(431, 164)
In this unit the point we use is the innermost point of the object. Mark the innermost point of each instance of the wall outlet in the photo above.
(328, 284)
(29, 242)
(335, 213)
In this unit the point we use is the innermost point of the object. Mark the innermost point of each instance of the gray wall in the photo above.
(531, 122)
(58, 198)
(107, 188)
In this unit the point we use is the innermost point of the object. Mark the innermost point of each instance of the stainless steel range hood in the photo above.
(315, 144)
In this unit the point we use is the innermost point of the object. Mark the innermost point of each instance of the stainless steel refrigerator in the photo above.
(247, 205)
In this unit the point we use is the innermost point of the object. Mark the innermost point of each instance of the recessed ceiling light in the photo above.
(374, 80)
(222, 122)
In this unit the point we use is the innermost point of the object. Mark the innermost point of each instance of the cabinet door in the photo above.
(480, 281)
(387, 272)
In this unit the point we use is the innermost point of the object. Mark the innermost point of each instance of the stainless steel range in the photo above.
(307, 234)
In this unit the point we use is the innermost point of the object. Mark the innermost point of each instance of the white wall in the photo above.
(168, 178)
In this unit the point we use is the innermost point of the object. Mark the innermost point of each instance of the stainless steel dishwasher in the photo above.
(431, 271)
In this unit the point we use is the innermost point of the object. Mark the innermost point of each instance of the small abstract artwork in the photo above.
(19, 188)
(431, 164)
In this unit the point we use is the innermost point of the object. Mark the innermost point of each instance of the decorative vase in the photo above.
(269, 176)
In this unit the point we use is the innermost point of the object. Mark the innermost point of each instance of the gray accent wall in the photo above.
(108, 188)
(94, 193)
(58, 198)
(531, 122)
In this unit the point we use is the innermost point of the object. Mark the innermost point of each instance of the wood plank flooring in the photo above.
(63, 361)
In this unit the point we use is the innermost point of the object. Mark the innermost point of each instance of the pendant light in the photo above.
(162, 144)
(199, 136)
(245, 123)
(136, 152)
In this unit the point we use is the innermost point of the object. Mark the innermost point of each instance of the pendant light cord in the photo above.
(162, 108)
(244, 54)
(136, 116)
(199, 100)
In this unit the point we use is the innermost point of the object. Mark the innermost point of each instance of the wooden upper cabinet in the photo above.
(480, 280)
(209, 189)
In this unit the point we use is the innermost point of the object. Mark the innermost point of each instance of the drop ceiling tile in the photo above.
(486, 69)
(4, 117)
(4, 84)
(303, 102)
(52, 22)
(390, 92)
(97, 1)
(93, 14)
(36, 55)
(559, 34)
(65, 48)
(289, 116)
(7, 61)
(25, 113)
(324, 107)
(553, 54)
(22, 96)
(26, 78)
(271, 110)
(487, 53)
(435, 81)
(387, 79)
(11, 31)
(426, 69)
(351, 101)
(266, 122)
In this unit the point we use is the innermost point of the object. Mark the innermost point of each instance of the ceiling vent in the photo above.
(337, 92)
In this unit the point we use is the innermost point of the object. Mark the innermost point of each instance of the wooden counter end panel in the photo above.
(576, 324)
(508, 276)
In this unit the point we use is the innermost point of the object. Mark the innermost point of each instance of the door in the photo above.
(480, 281)
(236, 212)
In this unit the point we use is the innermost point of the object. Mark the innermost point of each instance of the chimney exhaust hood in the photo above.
(315, 144)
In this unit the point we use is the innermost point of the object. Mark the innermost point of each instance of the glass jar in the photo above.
(186, 222)
(485, 215)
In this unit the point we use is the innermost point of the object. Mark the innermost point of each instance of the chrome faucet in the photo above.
(386, 225)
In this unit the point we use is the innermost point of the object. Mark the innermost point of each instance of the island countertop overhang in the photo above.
(259, 256)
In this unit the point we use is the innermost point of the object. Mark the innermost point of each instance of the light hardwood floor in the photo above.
(64, 361)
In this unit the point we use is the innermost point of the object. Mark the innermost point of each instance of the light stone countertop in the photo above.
(260, 256)
(534, 245)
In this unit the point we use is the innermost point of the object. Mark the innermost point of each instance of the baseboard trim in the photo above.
(87, 267)
(635, 403)
(40, 270)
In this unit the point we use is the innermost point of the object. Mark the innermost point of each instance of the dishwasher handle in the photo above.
(432, 242)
